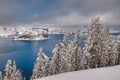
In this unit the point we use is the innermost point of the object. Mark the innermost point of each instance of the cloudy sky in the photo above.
(59, 11)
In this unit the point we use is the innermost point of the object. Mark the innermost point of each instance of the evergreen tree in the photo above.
(8, 71)
(11, 73)
(1, 78)
(56, 60)
(76, 52)
(117, 49)
(109, 52)
(65, 55)
(105, 50)
(92, 45)
(69, 57)
(46, 64)
(39, 69)
(16, 74)
(70, 54)
(47, 68)
(65, 41)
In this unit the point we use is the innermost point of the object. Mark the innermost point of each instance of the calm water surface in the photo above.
(25, 52)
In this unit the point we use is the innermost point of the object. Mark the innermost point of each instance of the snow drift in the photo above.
(107, 73)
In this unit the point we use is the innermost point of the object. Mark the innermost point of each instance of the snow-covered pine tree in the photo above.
(70, 53)
(65, 41)
(1, 78)
(16, 74)
(46, 64)
(92, 45)
(64, 45)
(55, 63)
(8, 71)
(106, 48)
(14, 70)
(39, 69)
(47, 68)
(68, 57)
(11, 73)
(76, 53)
(109, 49)
(117, 49)
(111, 54)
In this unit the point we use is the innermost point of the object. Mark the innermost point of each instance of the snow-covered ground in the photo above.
(107, 73)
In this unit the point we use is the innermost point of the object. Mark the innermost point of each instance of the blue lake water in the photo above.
(25, 52)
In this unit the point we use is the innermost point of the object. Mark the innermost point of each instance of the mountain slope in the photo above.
(107, 73)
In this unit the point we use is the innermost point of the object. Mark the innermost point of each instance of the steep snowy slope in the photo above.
(108, 73)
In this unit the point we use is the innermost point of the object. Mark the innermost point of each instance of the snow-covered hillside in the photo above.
(108, 73)
(5, 31)
(28, 33)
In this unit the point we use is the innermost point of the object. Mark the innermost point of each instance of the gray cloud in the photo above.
(16, 11)
(59, 11)
(81, 11)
